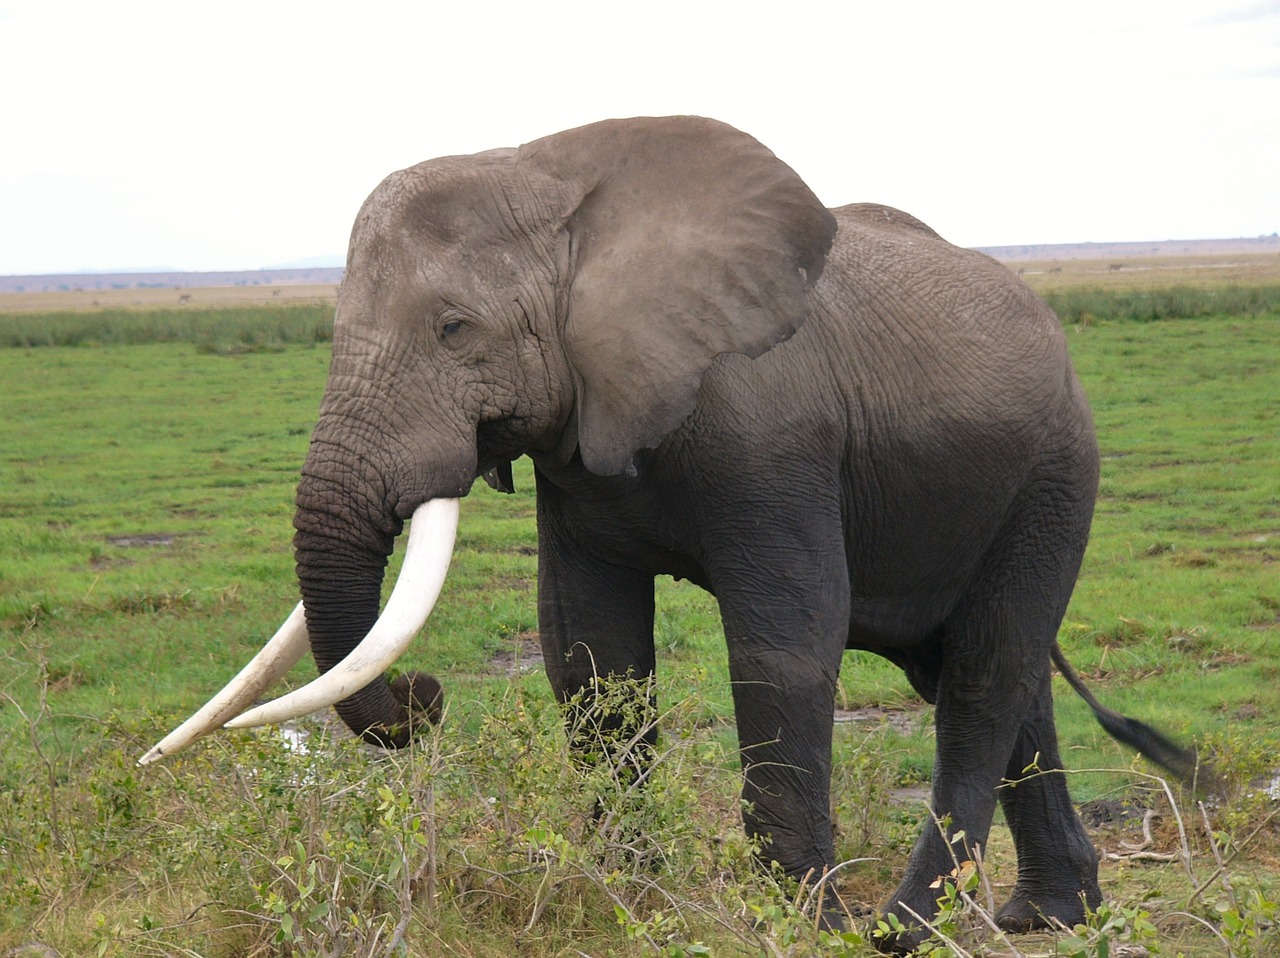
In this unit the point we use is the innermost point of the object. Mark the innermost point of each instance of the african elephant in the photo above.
(853, 434)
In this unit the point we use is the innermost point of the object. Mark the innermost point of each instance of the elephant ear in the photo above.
(686, 239)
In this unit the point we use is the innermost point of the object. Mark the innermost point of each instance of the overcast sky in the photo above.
(236, 135)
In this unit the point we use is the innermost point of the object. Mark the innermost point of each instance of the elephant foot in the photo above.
(904, 940)
(832, 915)
(1027, 911)
(907, 931)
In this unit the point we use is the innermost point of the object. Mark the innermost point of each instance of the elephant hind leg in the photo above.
(994, 713)
(1057, 864)
(975, 737)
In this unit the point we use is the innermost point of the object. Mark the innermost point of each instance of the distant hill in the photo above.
(1202, 247)
(304, 275)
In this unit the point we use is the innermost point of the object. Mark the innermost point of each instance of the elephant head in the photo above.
(561, 299)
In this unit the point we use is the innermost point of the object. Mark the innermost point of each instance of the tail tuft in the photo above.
(1152, 745)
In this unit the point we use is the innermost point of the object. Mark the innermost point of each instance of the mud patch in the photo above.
(914, 796)
(870, 716)
(108, 562)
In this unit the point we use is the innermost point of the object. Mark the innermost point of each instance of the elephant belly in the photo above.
(877, 623)
(913, 557)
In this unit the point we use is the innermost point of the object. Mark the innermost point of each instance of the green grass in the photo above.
(145, 505)
(212, 330)
(1090, 305)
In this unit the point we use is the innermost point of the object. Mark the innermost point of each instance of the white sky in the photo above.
(245, 133)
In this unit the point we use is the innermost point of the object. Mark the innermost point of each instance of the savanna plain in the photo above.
(148, 458)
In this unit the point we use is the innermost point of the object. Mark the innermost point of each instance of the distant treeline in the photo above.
(226, 330)
(256, 328)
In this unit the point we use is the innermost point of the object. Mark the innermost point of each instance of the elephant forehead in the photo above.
(453, 199)
(463, 273)
(445, 261)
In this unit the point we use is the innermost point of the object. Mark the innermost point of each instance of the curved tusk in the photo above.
(275, 659)
(426, 560)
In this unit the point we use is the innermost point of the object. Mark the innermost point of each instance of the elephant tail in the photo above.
(1152, 745)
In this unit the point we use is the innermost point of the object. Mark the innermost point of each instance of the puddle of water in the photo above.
(294, 738)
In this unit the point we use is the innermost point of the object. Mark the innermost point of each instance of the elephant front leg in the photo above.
(786, 622)
(596, 624)
(784, 702)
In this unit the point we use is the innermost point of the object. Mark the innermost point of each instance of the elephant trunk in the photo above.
(340, 572)
(356, 646)
(341, 557)
(351, 506)
(362, 479)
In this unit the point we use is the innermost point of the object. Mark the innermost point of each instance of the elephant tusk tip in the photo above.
(247, 720)
(152, 756)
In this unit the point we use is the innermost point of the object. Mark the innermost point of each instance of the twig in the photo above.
(1226, 945)
(1147, 840)
(1217, 855)
(946, 940)
(1240, 847)
(1143, 857)
(1139, 852)
(975, 856)
(819, 886)
(986, 881)
(33, 725)
(1184, 844)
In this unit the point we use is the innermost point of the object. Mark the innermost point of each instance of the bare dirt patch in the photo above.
(142, 540)
(521, 655)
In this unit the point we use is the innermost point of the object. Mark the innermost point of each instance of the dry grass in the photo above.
(193, 298)
(1150, 272)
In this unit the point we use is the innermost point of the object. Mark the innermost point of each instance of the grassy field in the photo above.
(145, 506)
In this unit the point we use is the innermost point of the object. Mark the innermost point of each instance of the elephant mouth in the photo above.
(432, 531)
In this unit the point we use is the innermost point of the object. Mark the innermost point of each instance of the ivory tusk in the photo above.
(426, 560)
(275, 659)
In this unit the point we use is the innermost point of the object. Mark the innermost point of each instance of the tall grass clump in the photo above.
(490, 837)
(233, 329)
(486, 832)
(1085, 305)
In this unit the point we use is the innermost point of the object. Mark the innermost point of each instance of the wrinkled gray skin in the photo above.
(853, 434)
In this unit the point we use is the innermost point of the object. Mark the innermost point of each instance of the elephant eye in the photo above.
(449, 325)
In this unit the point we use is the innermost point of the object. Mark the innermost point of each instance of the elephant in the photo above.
(850, 432)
